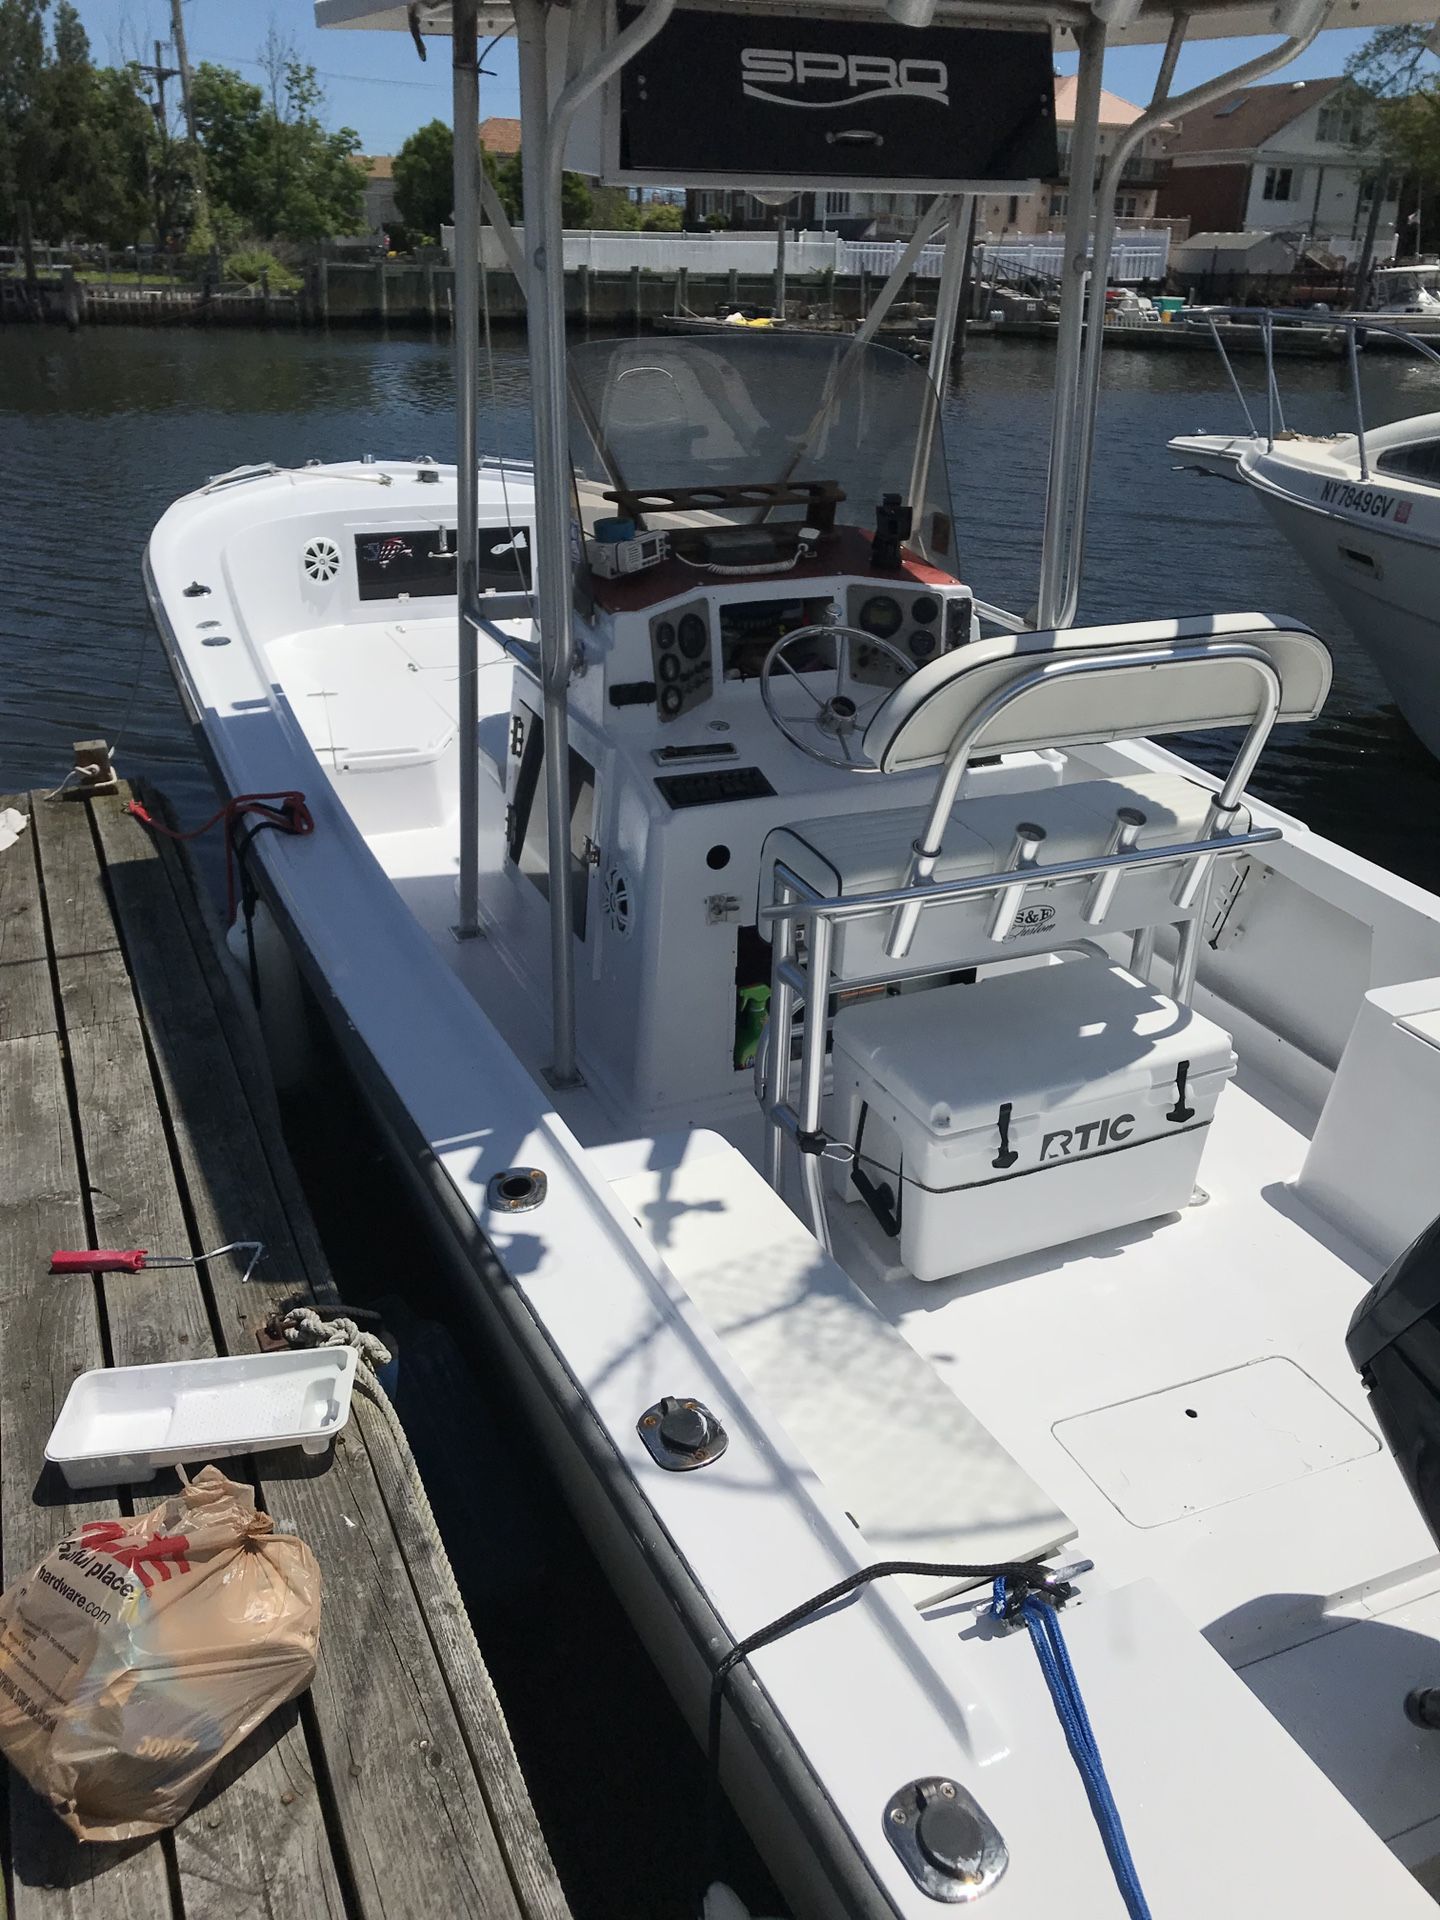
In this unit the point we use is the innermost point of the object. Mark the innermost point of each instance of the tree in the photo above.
(506, 172)
(660, 218)
(72, 140)
(425, 179)
(271, 167)
(1401, 139)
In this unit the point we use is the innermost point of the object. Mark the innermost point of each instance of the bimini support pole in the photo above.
(466, 95)
(942, 348)
(1087, 396)
(543, 135)
(1076, 268)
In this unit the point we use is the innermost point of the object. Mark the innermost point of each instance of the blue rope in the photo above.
(1043, 1623)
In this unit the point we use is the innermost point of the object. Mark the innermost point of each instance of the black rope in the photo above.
(1021, 1576)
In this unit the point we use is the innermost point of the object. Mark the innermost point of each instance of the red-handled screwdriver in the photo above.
(135, 1259)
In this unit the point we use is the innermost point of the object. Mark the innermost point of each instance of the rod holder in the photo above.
(1123, 835)
(1028, 841)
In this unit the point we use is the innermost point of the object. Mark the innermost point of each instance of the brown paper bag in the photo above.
(141, 1651)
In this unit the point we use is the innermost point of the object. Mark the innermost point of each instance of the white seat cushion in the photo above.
(917, 724)
(910, 1464)
(843, 855)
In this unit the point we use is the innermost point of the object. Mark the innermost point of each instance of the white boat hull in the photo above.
(1373, 542)
(594, 1316)
(1389, 592)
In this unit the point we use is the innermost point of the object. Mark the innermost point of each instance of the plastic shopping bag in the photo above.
(140, 1651)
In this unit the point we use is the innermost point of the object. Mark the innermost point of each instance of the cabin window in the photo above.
(530, 815)
(1418, 462)
(1278, 183)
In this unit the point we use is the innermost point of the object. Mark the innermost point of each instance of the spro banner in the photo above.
(758, 98)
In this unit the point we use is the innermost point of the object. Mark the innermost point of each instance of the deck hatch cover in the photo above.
(1206, 1442)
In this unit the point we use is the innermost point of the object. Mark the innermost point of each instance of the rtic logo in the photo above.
(145, 1557)
(862, 76)
(1031, 920)
(1066, 1141)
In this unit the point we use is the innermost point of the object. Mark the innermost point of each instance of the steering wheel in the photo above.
(837, 719)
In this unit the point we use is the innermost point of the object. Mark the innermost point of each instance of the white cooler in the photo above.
(1023, 1111)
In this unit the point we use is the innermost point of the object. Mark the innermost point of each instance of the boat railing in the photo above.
(1353, 327)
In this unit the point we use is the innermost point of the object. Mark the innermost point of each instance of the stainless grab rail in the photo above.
(929, 847)
(1351, 325)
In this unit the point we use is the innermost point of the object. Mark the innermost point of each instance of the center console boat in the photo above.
(915, 1144)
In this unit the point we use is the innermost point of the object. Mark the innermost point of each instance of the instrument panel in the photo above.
(680, 650)
(916, 621)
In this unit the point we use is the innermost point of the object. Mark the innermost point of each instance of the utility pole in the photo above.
(1380, 187)
(182, 56)
(160, 73)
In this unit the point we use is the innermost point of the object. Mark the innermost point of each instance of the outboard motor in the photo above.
(1394, 1341)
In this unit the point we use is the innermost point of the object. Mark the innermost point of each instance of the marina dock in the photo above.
(136, 1109)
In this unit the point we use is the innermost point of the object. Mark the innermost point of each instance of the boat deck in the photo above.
(135, 1109)
(1180, 1388)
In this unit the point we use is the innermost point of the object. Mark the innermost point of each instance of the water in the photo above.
(101, 431)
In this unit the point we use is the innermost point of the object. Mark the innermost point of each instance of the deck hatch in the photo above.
(1206, 1442)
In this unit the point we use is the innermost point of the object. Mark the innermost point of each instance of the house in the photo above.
(1278, 159)
(500, 137)
(379, 215)
(887, 216)
(1008, 215)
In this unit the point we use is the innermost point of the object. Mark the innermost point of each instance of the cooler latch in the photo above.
(1180, 1113)
(1007, 1156)
(880, 1197)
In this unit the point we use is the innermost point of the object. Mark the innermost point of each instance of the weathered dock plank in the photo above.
(27, 1005)
(394, 1751)
(261, 1824)
(46, 1338)
(135, 1111)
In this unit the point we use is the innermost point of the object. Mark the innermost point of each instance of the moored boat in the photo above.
(880, 1107)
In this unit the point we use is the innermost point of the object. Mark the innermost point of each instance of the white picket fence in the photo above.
(1137, 254)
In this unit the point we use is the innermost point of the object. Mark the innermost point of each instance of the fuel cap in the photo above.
(948, 1843)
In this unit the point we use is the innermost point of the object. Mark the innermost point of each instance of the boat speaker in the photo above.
(1394, 1341)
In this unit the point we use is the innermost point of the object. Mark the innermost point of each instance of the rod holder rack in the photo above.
(1028, 841)
(1123, 835)
(802, 977)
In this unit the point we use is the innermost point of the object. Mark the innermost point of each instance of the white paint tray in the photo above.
(122, 1423)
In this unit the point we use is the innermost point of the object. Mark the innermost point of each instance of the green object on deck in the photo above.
(752, 1010)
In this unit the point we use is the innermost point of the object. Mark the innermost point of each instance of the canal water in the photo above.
(99, 432)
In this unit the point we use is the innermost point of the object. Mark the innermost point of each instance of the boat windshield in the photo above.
(1398, 286)
(754, 408)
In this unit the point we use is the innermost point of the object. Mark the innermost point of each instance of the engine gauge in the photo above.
(881, 616)
(694, 637)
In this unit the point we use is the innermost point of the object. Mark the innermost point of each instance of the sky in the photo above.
(375, 83)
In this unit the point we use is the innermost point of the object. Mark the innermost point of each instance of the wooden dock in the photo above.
(136, 1110)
